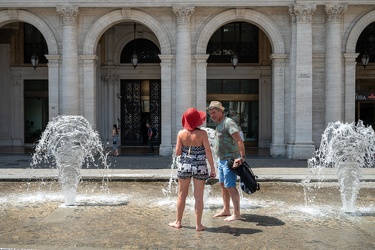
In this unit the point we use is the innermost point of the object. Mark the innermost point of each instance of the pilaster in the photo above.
(89, 88)
(167, 140)
(201, 80)
(278, 147)
(53, 85)
(350, 65)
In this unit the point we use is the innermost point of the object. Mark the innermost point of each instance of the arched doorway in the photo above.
(240, 89)
(365, 85)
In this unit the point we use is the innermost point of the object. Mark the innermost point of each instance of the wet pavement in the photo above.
(130, 205)
(135, 215)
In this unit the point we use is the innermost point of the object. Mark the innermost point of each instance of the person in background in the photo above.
(115, 140)
(150, 137)
(193, 148)
(228, 145)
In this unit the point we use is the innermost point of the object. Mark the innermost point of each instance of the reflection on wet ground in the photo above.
(135, 215)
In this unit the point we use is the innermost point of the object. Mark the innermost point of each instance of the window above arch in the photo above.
(241, 38)
(366, 43)
(34, 43)
(146, 50)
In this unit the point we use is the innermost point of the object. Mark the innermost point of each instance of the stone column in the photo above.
(168, 131)
(350, 65)
(333, 64)
(201, 80)
(183, 61)
(53, 85)
(278, 105)
(303, 147)
(70, 87)
(89, 88)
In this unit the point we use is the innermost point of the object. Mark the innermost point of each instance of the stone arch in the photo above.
(269, 27)
(9, 16)
(112, 18)
(119, 46)
(357, 30)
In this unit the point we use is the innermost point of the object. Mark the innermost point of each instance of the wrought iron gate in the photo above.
(134, 113)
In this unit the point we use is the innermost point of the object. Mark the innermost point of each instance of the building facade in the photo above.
(299, 67)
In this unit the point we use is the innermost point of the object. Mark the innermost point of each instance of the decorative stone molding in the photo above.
(302, 13)
(334, 13)
(240, 13)
(69, 15)
(13, 14)
(183, 13)
(278, 60)
(126, 13)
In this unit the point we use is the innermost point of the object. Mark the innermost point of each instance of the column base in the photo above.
(165, 150)
(300, 151)
(278, 150)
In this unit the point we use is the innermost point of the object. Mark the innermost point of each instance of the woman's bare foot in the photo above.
(200, 228)
(233, 217)
(175, 224)
(222, 213)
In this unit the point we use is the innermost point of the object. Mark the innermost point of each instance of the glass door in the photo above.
(245, 114)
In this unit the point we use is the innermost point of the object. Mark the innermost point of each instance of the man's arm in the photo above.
(241, 148)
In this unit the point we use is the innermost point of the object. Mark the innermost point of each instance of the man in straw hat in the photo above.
(228, 145)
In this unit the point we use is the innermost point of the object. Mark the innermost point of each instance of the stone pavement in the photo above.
(16, 167)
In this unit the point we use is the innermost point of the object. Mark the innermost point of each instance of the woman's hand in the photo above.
(213, 173)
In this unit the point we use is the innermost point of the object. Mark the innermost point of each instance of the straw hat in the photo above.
(193, 118)
(215, 105)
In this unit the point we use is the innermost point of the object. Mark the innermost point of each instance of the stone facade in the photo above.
(309, 81)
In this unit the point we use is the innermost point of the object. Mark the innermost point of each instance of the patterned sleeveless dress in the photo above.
(193, 163)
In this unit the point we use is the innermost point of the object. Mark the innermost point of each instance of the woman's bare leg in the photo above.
(183, 190)
(198, 196)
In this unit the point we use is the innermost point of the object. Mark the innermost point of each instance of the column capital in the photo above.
(302, 13)
(334, 12)
(69, 15)
(183, 13)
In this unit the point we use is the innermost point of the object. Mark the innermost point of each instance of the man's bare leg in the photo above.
(236, 204)
(226, 201)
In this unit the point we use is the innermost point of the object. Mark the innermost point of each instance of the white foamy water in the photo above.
(69, 142)
(348, 148)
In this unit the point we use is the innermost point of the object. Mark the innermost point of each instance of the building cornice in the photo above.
(168, 3)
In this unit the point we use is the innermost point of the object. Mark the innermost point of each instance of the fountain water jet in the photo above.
(347, 147)
(68, 142)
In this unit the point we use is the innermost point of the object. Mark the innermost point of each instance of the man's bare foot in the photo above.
(175, 224)
(233, 217)
(222, 213)
(200, 228)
